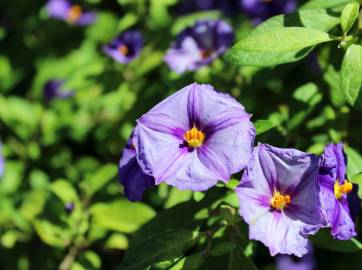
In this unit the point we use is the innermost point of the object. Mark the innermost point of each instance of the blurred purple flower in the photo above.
(69, 207)
(131, 176)
(2, 162)
(53, 89)
(288, 262)
(67, 11)
(278, 198)
(199, 45)
(194, 138)
(260, 10)
(339, 199)
(125, 47)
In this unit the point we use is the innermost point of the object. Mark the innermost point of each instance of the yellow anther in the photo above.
(74, 13)
(194, 137)
(123, 49)
(279, 201)
(340, 190)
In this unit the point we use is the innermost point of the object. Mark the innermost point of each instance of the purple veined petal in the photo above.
(328, 204)
(58, 8)
(342, 225)
(193, 106)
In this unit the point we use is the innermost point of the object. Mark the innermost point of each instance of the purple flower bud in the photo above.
(67, 11)
(339, 199)
(131, 176)
(69, 207)
(53, 89)
(199, 45)
(279, 200)
(194, 138)
(260, 10)
(125, 47)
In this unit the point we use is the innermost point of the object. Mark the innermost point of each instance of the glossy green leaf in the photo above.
(238, 260)
(164, 246)
(262, 126)
(323, 239)
(354, 162)
(191, 262)
(351, 79)
(121, 215)
(349, 16)
(276, 46)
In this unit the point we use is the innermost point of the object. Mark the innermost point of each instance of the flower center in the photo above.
(279, 201)
(340, 190)
(194, 137)
(74, 13)
(123, 49)
(205, 53)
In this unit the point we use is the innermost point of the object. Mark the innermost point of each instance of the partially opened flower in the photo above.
(194, 138)
(125, 47)
(53, 89)
(199, 45)
(131, 176)
(339, 199)
(278, 197)
(260, 10)
(290, 262)
(67, 11)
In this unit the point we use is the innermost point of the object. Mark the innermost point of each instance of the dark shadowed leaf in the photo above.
(323, 239)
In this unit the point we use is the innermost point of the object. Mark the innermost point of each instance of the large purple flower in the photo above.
(53, 89)
(339, 199)
(67, 11)
(199, 45)
(278, 198)
(260, 10)
(131, 176)
(194, 138)
(125, 47)
(288, 262)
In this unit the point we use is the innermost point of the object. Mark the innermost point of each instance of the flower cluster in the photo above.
(197, 136)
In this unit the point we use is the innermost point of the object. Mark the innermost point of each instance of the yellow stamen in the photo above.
(194, 137)
(279, 201)
(340, 190)
(74, 13)
(123, 49)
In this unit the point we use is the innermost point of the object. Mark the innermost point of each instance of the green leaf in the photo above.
(354, 162)
(99, 179)
(262, 126)
(324, 239)
(121, 215)
(117, 241)
(356, 179)
(351, 79)
(64, 191)
(192, 262)
(238, 260)
(326, 3)
(319, 19)
(276, 46)
(222, 248)
(161, 247)
(51, 233)
(349, 16)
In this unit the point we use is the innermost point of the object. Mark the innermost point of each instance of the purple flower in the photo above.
(69, 207)
(278, 198)
(339, 199)
(287, 262)
(199, 45)
(125, 47)
(194, 138)
(131, 176)
(53, 89)
(67, 11)
(260, 10)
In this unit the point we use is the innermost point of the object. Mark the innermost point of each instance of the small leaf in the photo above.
(349, 16)
(324, 239)
(351, 79)
(222, 248)
(238, 260)
(356, 179)
(121, 215)
(161, 247)
(354, 162)
(262, 126)
(276, 46)
(192, 262)
(64, 191)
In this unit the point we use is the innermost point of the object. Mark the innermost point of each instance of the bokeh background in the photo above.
(61, 205)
